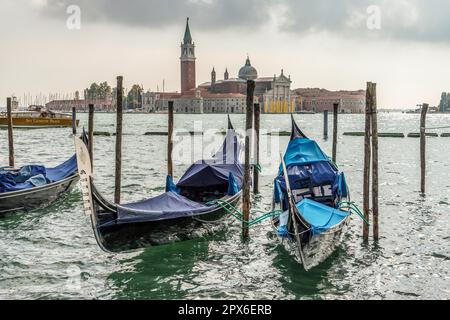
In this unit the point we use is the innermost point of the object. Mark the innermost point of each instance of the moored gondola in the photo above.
(314, 197)
(187, 210)
(34, 186)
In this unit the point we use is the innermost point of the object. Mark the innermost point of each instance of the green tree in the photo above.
(104, 90)
(98, 91)
(134, 97)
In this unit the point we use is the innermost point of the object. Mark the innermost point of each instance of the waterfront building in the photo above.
(319, 100)
(82, 105)
(228, 95)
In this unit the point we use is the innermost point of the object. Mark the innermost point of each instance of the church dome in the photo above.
(248, 72)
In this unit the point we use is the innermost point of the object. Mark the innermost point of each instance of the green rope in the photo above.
(353, 207)
(233, 211)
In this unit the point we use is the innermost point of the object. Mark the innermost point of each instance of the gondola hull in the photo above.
(319, 248)
(113, 237)
(34, 198)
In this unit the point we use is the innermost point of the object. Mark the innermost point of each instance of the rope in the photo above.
(352, 207)
(234, 212)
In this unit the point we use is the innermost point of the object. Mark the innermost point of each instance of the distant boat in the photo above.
(37, 117)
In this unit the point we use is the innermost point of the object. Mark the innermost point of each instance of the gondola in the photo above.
(187, 210)
(34, 186)
(314, 197)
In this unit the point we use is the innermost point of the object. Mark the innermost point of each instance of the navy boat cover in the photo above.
(224, 169)
(216, 171)
(169, 205)
(32, 176)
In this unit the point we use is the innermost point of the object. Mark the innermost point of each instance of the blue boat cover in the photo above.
(314, 175)
(302, 152)
(217, 171)
(208, 174)
(233, 186)
(169, 205)
(308, 168)
(340, 187)
(224, 170)
(319, 216)
(32, 176)
(171, 186)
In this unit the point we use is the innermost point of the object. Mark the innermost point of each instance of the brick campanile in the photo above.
(187, 61)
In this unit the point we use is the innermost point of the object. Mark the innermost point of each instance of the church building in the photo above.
(222, 96)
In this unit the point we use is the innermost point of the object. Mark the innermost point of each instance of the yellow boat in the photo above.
(37, 117)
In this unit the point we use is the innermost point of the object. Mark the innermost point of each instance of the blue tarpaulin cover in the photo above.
(224, 169)
(216, 172)
(233, 186)
(340, 186)
(32, 176)
(169, 205)
(208, 174)
(170, 185)
(311, 173)
(303, 151)
(319, 216)
(306, 177)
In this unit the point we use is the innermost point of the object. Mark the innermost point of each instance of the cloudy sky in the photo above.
(403, 45)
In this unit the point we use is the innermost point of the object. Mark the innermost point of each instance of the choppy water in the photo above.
(51, 253)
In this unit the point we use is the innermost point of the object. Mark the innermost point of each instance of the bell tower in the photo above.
(187, 61)
(213, 77)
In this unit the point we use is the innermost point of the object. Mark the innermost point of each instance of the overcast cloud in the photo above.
(320, 43)
(421, 20)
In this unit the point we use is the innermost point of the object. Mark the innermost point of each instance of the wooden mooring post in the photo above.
(367, 160)
(170, 140)
(10, 132)
(246, 201)
(423, 142)
(91, 134)
(256, 166)
(335, 130)
(325, 124)
(119, 123)
(375, 184)
(74, 120)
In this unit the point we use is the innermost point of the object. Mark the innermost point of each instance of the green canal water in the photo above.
(51, 253)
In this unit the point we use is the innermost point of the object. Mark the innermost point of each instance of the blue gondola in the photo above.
(187, 210)
(313, 222)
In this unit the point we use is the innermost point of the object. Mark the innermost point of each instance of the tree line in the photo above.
(132, 99)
